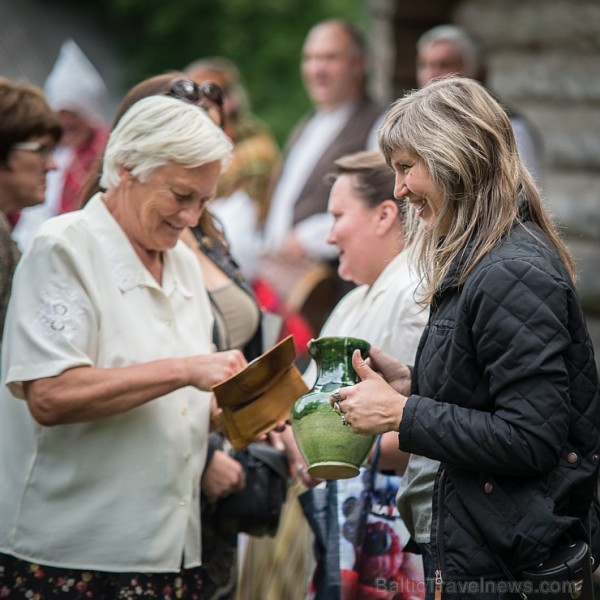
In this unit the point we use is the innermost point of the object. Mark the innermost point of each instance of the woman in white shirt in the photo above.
(109, 329)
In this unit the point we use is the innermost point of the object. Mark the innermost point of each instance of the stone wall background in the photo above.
(543, 58)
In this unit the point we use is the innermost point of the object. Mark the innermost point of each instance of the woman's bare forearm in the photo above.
(89, 393)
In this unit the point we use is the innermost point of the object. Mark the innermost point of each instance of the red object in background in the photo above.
(84, 159)
(266, 296)
(381, 553)
(13, 218)
(349, 585)
(293, 323)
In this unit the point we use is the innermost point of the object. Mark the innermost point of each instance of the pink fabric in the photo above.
(81, 165)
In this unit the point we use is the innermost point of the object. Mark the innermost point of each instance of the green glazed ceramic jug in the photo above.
(329, 448)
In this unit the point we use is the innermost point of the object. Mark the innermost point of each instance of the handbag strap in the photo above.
(369, 487)
(370, 479)
(376, 453)
(217, 251)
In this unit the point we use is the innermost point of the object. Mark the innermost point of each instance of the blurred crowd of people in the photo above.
(145, 260)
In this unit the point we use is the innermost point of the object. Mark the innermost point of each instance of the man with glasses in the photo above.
(29, 131)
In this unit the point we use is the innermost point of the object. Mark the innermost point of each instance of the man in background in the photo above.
(344, 119)
(449, 50)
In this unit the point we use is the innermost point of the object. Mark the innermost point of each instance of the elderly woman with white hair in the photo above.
(105, 415)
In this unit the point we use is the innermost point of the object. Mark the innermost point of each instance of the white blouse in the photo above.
(119, 493)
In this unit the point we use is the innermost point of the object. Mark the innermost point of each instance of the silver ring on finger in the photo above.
(345, 421)
(335, 396)
(336, 408)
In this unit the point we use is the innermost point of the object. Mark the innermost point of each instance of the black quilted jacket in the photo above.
(506, 396)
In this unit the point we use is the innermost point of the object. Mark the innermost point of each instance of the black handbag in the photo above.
(565, 575)
(257, 508)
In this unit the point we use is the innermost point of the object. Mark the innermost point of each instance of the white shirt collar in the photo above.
(126, 266)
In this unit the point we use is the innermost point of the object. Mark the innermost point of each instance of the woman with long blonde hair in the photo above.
(500, 411)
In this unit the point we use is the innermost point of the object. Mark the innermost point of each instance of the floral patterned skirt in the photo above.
(20, 579)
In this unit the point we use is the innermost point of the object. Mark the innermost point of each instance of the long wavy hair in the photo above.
(466, 142)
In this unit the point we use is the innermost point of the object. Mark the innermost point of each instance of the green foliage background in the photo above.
(263, 37)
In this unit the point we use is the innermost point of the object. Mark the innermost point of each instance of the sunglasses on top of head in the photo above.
(199, 94)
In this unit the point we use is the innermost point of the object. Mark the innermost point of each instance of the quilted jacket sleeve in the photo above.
(512, 321)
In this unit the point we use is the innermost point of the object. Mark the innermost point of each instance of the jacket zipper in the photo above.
(439, 581)
(438, 585)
